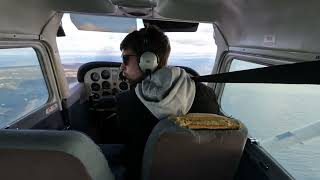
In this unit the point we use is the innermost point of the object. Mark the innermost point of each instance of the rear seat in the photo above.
(193, 147)
(50, 155)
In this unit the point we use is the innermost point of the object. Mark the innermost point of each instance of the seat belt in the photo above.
(297, 73)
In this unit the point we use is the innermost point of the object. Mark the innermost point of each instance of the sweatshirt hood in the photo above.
(167, 92)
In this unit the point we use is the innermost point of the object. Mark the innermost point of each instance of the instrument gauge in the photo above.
(95, 87)
(95, 76)
(105, 74)
(106, 85)
(123, 86)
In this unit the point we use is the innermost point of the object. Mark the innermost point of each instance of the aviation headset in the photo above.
(148, 61)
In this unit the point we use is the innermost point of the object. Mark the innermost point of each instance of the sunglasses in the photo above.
(125, 58)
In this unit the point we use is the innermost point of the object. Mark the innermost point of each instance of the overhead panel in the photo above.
(285, 25)
(83, 6)
(30, 17)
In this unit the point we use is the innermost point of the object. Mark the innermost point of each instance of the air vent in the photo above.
(141, 12)
(138, 14)
(137, 4)
(136, 8)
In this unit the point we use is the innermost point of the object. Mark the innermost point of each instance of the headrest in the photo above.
(207, 121)
(68, 153)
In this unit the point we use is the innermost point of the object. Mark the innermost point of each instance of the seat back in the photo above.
(50, 155)
(176, 152)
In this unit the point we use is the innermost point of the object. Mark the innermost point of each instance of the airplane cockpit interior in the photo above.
(159, 89)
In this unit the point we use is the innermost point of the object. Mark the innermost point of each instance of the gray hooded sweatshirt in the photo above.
(168, 92)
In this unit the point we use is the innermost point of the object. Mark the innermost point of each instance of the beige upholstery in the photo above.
(175, 152)
(50, 155)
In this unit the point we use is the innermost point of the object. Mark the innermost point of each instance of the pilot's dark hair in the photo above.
(152, 37)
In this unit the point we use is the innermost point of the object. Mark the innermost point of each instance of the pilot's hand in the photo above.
(121, 76)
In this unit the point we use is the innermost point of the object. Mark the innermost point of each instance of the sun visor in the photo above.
(103, 23)
(171, 26)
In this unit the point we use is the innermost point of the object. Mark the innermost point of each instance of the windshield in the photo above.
(196, 50)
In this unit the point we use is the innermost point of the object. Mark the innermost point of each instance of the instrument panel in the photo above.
(104, 81)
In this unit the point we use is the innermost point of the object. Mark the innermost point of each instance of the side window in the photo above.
(283, 117)
(22, 85)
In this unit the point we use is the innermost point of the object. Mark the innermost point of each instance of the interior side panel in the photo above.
(53, 122)
(41, 119)
(256, 163)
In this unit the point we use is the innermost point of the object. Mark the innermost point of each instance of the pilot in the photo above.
(157, 92)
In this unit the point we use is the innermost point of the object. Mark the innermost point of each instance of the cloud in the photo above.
(205, 28)
(22, 51)
(87, 42)
(183, 44)
(200, 43)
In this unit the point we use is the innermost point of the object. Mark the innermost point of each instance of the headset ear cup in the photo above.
(148, 62)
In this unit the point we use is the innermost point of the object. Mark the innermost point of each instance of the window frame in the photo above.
(32, 117)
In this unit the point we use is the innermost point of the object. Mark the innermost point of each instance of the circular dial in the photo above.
(105, 74)
(123, 86)
(95, 76)
(95, 87)
(105, 85)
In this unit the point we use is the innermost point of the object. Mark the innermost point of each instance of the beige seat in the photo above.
(50, 155)
(195, 147)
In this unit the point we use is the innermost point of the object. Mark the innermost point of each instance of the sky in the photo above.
(196, 50)
(183, 44)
